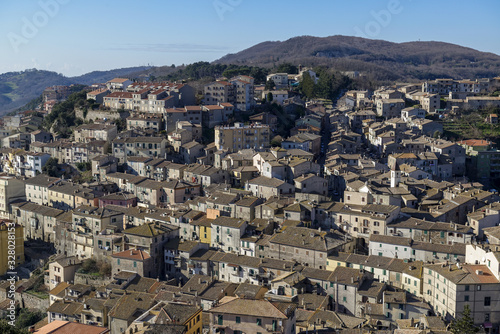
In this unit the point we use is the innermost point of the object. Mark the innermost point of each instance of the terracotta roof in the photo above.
(133, 255)
(118, 80)
(66, 327)
(475, 142)
(255, 308)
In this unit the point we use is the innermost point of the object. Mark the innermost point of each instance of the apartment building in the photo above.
(252, 316)
(139, 146)
(390, 108)
(172, 116)
(95, 131)
(219, 92)
(280, 79)
(240, 136)
(449, 287)
(145, 122)
(11, 189)
(238, 91)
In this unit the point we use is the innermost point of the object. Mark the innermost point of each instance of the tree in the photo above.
(90, 266)
(276, 141)
(464, 325)
(104, 268)
(270, 85)
(51, 168)
(5, 328)
(84, 166)
(306, 86)
(287, 68)
(27, 318)
(269, 97)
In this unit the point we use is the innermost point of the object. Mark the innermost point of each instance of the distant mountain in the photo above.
(18, 88)
(379, 59)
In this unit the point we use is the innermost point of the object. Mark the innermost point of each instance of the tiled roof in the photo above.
(248, 307)
(132, 254)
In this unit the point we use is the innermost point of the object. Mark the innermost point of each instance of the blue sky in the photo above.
(74, 37)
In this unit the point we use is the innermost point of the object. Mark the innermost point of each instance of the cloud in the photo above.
(168, 48)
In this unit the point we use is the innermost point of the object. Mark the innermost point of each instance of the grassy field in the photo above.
(471, 125)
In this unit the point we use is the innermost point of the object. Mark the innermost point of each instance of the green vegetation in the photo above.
(203, 69)
(51, 167)
(95, 268)
(329, 86)
(26, 318)
(121, 124)
(464, 325)
(470, 124)
(287, 68)
(377, 59)
(270, 85)
(6, 328)
(276, 141)
(62, 117)
(84, 166)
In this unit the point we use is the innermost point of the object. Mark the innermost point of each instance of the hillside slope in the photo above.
(18, 88)
(381, 59)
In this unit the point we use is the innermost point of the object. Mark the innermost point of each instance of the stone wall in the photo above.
(30, 301)
(91, 280)
(100, 114)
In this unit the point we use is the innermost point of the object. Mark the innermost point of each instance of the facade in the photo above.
(449, 287)
(11, 189)
(95, 131)
(252, 316)
(239, 136)
(226, 233)
(63, 269)
(390, 108)
(136, 261)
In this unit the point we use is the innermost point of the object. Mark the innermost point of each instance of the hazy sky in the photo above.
(75, 36)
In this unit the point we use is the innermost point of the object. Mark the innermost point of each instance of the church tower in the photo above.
(395, 175)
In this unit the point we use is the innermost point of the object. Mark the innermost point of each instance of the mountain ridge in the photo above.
(383, 60)
(18, 88)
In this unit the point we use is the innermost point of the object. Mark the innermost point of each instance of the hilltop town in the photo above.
(159, 207)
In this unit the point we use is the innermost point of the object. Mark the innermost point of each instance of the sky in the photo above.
(74, 37)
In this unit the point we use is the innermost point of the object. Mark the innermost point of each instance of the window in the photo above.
(344, 299)
(466, 298)
(487, 301)
(466, 288)
(259, 322)
(238, 320)
(478, 288)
